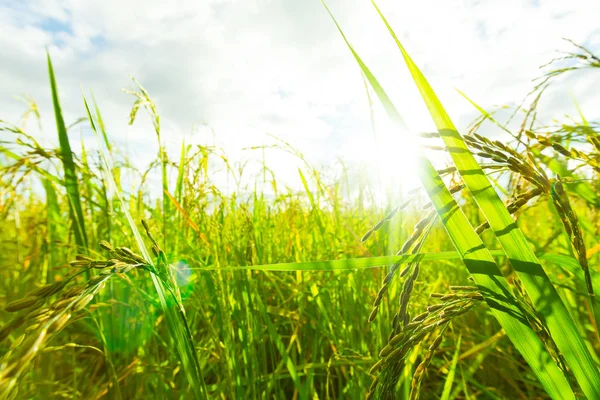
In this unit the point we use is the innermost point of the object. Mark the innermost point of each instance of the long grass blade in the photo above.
(451, 372)
(539, 287)
(175, 315)
(480, 263)
(71, 183)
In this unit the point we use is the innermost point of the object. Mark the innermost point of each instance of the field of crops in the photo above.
(478, 285)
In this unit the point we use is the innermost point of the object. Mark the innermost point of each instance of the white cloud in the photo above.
(279, 66)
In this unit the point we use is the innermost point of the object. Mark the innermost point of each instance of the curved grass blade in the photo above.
(564, 261)
(53, 224)
(71, 184)
(101, 125)
(452, 372)
(480, 263)
(539, 287)
(174, 314)
(341, 265)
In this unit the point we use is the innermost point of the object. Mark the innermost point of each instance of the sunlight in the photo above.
(311, 237)
(394, 162)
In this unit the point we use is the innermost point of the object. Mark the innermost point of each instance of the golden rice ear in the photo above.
(59, 323)
(47, 290)
(106, 246)
(13, 324)
(82, 302)
(46, 322)
(22, 304)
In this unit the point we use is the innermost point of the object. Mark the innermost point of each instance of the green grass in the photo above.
(242, 294)
(70, 172)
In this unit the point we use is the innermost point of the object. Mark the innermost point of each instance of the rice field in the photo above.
(479, 285)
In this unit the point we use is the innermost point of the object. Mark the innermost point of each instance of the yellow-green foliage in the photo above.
(302, 294)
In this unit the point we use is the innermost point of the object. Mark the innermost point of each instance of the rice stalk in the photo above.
(435, 319)
(473, 250)
(71, 181)
(571, 224)
(514, 243)
(46, 322)
(162, 278)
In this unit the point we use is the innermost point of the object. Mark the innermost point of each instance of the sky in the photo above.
(227, 72)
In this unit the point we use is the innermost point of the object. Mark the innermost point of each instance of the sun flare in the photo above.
(392, 160)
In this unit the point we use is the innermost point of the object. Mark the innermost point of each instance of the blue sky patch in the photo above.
(58, 29)
(53, 25)
(99, 42)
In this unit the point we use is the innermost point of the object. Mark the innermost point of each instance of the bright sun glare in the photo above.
(393, 159)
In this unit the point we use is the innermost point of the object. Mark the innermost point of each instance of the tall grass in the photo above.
(70, 173)
(284, 296)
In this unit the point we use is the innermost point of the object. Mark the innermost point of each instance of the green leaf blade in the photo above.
(481, 265)
(536, 282)
(71, 182)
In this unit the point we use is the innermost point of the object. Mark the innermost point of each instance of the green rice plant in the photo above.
(580, 133)
(143, 99)
(571, 225)
(45, 322)
(32, 109)
(537, 283)
(70, 178)
(451, 373)
(164, 284)
(434, 320)
(53, 218)
(269, 295)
